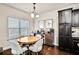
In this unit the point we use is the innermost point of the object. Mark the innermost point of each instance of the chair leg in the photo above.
(23, 53)
(33, 53)
(26, 52)
(37, 53)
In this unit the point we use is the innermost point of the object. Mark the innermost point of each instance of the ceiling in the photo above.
(40, 7)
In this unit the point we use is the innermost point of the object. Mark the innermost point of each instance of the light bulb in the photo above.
(37, 16)
(32, 15)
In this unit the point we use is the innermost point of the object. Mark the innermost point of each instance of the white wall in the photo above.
(6, 11)
(54, 16)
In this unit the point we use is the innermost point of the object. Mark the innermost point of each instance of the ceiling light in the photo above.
(34, 14)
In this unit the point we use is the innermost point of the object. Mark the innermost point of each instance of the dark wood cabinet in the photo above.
(65, 41)
(61, 42)
(65, 16)
(67, 19)
(75, 18)
(61, 15)
(61, 29)
(65, 36)
(68, 43)
(65, 29)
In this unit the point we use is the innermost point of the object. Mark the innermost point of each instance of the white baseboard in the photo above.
(55, 44)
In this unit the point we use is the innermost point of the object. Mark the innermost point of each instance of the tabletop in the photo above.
(28, 40)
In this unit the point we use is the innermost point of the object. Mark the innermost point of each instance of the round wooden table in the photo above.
(28, 40)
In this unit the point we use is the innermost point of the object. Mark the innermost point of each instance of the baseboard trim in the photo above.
(52, 45)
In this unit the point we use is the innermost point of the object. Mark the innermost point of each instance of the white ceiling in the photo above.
(40, 7)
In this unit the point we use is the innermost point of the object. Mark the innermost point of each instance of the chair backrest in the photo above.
(16, 49)
(39, 43)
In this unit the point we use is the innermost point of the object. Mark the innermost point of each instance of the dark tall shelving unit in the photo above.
(75, 24)
(65, 37)
(68, 19)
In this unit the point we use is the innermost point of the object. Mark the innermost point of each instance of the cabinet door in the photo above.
(75, 20)
(61, 41)
(61, 17)
(65, 42)
(67, 16)
(61, 29)
(68, 42)
(67, 29)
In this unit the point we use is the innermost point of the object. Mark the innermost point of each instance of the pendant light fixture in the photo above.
(34, 14)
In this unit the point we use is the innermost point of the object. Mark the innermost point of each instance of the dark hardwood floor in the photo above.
(47, 50)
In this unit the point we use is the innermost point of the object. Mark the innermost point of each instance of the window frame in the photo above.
(17, 28)
(45, 24)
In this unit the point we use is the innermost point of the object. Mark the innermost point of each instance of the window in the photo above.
(13, 33)
(45, 24)
(41, 24)
(48, 24)
(24, 25)
(17, 27)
